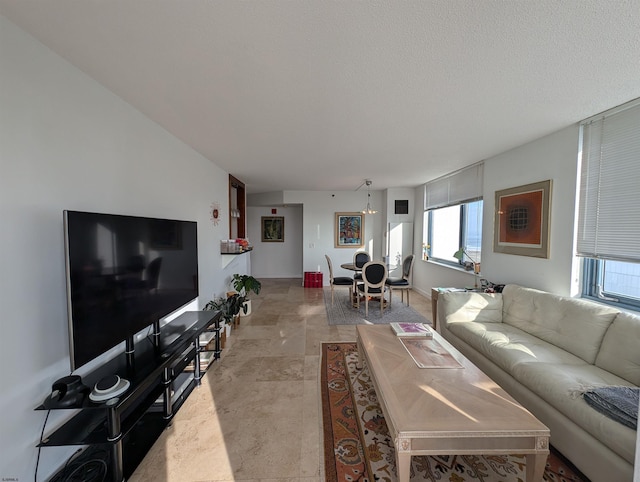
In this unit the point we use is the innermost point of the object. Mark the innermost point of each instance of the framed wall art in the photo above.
(272, 229)
(522, 220)
(349, 230)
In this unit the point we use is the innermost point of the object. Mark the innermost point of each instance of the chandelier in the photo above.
(368, 209)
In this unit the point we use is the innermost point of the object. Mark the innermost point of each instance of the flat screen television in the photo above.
(124, 273)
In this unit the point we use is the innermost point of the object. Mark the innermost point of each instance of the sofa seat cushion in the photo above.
(620, 353)
(562, 386)
(556, 376)
(575, 325)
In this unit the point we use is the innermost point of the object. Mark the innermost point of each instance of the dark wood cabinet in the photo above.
(237, 209)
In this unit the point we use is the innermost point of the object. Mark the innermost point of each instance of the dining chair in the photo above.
(374, 275)
(339, 280)
(403, 284)
(360, 258)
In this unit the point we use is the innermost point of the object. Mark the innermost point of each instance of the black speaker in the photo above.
(67, 392)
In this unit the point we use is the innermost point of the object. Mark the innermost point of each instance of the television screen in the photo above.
(123, 274)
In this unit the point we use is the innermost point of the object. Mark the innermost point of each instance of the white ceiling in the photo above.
(321, 94)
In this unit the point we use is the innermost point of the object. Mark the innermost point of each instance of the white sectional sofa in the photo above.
(546, 351)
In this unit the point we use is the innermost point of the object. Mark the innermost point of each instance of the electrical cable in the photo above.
(70, 459)
(89, 471)
(91, 465)
(35, 475)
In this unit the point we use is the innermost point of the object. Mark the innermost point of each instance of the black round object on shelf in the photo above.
(66, 392)
(108, 387)
(107, 384)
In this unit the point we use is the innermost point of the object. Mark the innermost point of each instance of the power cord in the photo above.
(92, 470)
(70, 459)
(90, 466)
(35, 475)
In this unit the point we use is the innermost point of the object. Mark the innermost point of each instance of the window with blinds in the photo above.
(453, 217)
(609, 205)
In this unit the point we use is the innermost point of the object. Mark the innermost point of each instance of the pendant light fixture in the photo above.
(368, 209)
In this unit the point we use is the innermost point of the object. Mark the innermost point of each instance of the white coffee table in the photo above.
(447, 411)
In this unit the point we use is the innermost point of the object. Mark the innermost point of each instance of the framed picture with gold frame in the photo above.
(522, 220)
(349, 230)
(272, 228)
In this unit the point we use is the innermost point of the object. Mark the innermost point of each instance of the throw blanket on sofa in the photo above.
(618, 403)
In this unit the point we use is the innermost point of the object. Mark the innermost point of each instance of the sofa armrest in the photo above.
(459, 306)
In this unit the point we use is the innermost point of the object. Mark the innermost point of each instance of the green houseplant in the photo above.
(245, 284)
(229, 306)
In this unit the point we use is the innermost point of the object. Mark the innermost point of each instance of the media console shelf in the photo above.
(131, 423)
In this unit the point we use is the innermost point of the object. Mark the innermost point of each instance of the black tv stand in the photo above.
(129, 352)
(130, 423)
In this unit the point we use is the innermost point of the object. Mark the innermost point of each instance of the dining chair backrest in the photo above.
(374, 274)
(360, 258)
(330, 267)
(407, 266)
(374, 277)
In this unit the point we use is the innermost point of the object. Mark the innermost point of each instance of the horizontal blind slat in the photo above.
(461, 186)
(609, 207)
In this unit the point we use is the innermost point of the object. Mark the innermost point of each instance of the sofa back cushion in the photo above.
(467, 306)
(577, 326)
(620, 351)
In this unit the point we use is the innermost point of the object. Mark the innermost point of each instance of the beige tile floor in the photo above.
(256, 416)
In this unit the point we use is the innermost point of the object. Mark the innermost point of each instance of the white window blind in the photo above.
(461, 186)
(609, 206)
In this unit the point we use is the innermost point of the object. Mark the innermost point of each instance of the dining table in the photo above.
(350, 267)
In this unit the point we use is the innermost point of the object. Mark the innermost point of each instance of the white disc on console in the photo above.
(115, 388)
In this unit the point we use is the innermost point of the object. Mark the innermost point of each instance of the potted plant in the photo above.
(229, 307)
(244, 284)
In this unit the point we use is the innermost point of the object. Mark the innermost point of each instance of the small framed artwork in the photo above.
(272, 229)
(349, 230)
(522, 220)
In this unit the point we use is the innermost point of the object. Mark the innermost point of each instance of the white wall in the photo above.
(310, 229)
(275, 259)
(391, 195)
(67, 143)
(552, 157)
(318, 227)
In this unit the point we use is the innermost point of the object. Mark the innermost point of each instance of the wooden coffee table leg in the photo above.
(403, 459)
(535, 466)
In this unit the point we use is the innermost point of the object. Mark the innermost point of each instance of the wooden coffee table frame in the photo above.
(447, 411)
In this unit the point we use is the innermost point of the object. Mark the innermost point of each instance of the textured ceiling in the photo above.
(319, 94)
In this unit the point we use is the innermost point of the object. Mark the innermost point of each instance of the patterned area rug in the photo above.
(358, 446)
(342, 313)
